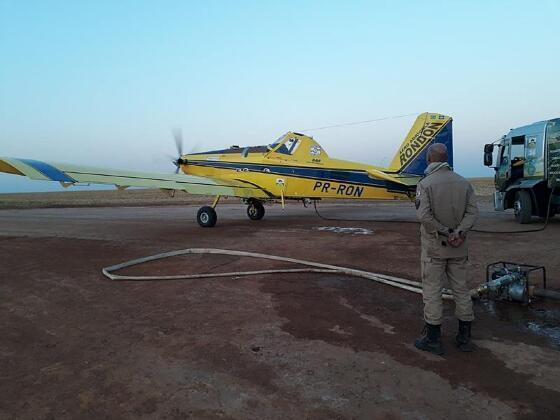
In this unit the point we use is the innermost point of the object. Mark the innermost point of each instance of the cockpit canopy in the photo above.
(286, 144)
(291, 144)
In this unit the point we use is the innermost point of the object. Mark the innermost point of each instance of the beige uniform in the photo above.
(444, 201)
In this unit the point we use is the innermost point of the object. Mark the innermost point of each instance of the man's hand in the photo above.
(456, 239)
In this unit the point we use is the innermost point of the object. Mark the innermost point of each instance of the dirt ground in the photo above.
(77, 345)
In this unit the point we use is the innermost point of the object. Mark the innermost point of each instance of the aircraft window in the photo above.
(289, 146)
(277, 141)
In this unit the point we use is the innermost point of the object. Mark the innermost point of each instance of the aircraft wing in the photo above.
(72, 174)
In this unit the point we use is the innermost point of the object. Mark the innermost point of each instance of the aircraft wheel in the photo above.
(255, 210)
(522, 207)
(206, 216)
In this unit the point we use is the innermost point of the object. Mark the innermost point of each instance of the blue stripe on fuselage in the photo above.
(49, 171)
(351, 177)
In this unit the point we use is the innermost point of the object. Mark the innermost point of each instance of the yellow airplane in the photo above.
(294, 167)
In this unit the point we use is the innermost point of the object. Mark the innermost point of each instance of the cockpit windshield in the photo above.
(277, 141)
(289, 146)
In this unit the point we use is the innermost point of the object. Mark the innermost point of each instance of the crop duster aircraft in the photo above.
(294, 167)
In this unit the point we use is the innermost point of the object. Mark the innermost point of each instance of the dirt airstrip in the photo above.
(73, 344)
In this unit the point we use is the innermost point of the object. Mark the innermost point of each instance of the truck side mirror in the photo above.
(488, 149)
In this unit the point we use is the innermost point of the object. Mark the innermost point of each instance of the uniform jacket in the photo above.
(444, 201)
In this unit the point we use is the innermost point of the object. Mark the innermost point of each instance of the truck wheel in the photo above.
(206, 216)
(255, 210)
(522, 207)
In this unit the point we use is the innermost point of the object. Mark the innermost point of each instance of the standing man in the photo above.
(446, 208)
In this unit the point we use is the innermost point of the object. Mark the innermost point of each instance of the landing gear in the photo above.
(255, 210)
(206, 216)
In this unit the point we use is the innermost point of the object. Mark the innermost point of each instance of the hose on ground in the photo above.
(312, 267)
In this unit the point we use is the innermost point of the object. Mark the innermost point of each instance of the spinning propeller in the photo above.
(178, 136)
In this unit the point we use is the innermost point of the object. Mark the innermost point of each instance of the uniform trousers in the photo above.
(435, 271)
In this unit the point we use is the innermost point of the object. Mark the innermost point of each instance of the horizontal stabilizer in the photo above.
(375, 174)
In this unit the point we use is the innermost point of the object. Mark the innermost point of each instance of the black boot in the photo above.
(463, 337)
(431, 341)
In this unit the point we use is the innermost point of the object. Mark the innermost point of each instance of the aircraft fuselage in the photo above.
(306, 172)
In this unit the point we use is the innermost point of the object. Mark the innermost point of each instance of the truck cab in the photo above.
(526, 165)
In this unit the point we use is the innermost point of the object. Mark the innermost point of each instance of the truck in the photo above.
(526, 162)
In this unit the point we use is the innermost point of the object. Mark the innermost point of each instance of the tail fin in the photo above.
(428, 128)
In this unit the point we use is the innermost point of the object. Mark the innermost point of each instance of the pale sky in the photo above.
(103, 83)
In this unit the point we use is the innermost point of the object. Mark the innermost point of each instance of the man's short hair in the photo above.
(437, 152)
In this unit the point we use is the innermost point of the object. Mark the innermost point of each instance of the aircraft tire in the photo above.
(255, 210)
(206, 216)
(523, 207)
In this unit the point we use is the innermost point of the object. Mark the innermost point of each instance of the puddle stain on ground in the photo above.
(347, 230)
(315, 311)
(538, 318)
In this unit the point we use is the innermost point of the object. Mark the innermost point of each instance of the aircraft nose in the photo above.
(178, 163)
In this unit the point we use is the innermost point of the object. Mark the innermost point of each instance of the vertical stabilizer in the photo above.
(428, 128)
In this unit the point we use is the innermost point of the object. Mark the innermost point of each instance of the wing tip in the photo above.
(7, 167)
